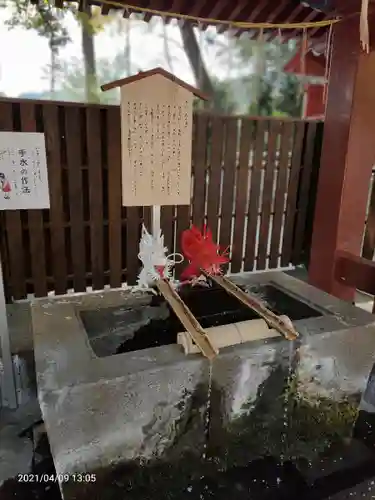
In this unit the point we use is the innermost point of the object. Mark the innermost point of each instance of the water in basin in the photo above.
(120, 329)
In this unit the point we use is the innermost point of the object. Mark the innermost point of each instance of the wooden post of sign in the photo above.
(156, 217)
(156, 134)
(23, 186)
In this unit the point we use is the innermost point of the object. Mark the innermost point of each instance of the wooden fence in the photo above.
(368, 248)
(251, 182)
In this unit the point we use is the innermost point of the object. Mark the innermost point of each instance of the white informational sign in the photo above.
(23, 185)
(23, 171)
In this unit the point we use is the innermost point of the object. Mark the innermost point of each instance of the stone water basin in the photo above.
(121, 400)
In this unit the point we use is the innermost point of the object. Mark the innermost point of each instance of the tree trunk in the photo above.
(54, 66)
(52, 84)
(194, 55)
(167, 53)
(89, 59)
(260, 71)
(127, 51)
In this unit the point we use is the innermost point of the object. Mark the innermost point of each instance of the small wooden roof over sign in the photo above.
(156, 71)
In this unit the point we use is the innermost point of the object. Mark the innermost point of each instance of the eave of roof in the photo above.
(262, 11)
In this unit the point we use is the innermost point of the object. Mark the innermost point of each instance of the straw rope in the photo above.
(230, 24)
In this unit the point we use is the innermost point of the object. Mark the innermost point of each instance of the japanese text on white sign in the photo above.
(23, 171)
(156, 125)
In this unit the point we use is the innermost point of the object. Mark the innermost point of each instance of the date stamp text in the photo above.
(54, 478)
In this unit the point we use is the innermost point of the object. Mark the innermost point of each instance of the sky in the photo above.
(22, 67)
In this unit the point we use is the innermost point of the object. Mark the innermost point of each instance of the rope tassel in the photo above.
(157, 263)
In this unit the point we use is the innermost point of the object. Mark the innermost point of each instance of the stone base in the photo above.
(100, 412)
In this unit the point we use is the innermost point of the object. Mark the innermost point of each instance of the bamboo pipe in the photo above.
(282, 324)
(189, 321)
(229, 335)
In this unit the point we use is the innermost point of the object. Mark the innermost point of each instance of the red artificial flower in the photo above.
(6, 187)
(202, 253)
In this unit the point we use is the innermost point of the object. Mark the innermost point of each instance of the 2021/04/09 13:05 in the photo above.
(53, 478)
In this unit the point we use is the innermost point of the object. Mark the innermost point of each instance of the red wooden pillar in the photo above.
(348, 155)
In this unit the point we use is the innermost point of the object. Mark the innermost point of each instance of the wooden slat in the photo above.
(213, 192)
(369, 239)
(182, 223)
(77, 225)
(252, 215)
(355, 271)
(293, 34)
(133, 232)
(258, 9)
(35, 219)
(241, 196)
(167, 226)
(229, 176)
(199, 161)
(105, 9)
(147, 216)
(126, 13)
(175, 7)
(114, 196)
(13, 225)
(52, 135)
(236, 12)
(6, 125)
(269, 174)
(216, 9)
(94, 157)
(280, 194)
(4, 253)
(303, 197)
(74, 164)
(286, 255)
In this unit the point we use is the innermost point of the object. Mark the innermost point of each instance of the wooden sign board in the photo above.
(23, 171)
(156, 136)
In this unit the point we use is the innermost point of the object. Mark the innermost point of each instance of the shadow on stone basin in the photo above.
(258, 456)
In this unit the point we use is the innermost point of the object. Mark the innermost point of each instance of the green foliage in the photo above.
(92, 21)
(40, 18)
(270, 89)
(72, 80)
(290, 98)
(279, 114)
(223, 97)
(48, 23)
(262, 88)
(263, 106)
(222, 100)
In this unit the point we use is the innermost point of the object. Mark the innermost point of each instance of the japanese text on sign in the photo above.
(156, 156)
(23, 171)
